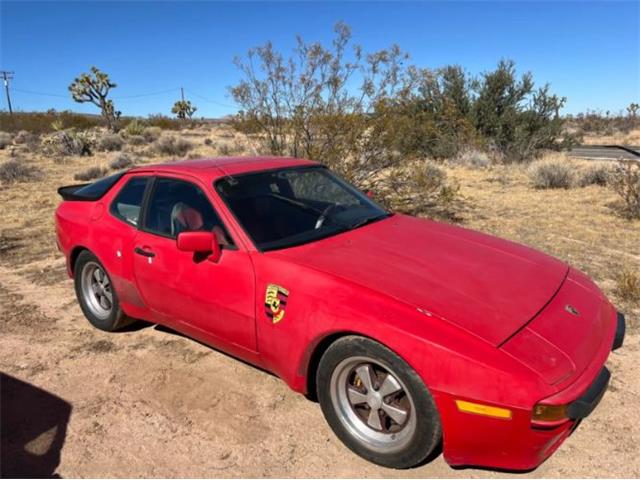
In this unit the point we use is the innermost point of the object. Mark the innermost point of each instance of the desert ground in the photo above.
(147, 402)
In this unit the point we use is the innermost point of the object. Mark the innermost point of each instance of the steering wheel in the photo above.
(324, 214)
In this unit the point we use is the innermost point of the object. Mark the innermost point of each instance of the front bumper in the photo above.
(517, 443)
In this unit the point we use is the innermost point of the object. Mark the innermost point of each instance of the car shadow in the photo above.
(33, 429)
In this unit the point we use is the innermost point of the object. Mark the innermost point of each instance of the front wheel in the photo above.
(376, 403)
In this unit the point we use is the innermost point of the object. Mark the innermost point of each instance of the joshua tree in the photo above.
(94, 87)
(183, 109)
(632, 109)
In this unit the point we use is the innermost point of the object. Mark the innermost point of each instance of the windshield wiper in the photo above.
(297, 203)
(368, 220)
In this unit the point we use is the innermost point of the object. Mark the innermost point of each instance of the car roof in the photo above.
(213, 168)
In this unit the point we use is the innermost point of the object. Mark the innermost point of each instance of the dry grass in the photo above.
(628, 286)
(631, 138)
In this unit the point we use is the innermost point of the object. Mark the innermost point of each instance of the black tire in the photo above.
(425, 433)
(110, 321)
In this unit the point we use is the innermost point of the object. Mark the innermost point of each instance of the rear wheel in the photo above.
(376, 403)
(97, 298)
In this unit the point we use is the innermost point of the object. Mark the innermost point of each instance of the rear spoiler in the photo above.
(68, 192)
(89, 192)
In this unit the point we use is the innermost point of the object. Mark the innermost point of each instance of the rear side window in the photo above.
(128, 203)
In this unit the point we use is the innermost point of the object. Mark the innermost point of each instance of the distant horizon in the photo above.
(97, 113)
(588, 52)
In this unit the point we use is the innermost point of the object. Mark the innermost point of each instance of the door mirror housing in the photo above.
(200, 242)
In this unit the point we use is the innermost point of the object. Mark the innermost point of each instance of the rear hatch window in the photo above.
(89, 191)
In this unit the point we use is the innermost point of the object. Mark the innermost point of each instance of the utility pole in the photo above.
(6, 76)
(182, 93)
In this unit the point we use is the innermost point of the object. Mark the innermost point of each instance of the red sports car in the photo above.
(413, 335)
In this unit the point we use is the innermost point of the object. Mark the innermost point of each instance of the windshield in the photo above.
(292, 206)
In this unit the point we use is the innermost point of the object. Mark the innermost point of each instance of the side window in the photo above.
(127, 204)
(177, 206)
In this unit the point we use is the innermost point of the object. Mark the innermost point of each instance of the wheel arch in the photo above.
(310, 366)
(73, 256)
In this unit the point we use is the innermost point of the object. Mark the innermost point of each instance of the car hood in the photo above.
(485, 285)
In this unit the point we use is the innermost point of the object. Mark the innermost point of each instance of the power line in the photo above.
(122, 97)
(146, 94)
(209, 100)
(41, 94)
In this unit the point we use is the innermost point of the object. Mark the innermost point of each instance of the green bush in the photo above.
(133, 128)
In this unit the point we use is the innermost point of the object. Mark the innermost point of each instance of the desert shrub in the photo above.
(163, 122)
(151, 134)
(41, 122)
(120, 161)
(208, 142)
(595, 175)
(136, 140)
(625, 181)
(23, 137)
(69, 142)
(417, 189)
(170, 145)
(91, 174)
(628, 286)
(15, 170)
(226, 134)
(110, 142)
(552, 173)
(471, 157)
(5, 140)
(133, 128)
(224, 149)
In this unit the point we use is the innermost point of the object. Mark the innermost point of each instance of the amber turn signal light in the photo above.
(549, 413)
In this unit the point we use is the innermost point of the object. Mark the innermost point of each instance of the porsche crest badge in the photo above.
(275, 302)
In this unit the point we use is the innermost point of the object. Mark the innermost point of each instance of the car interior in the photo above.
(270, 211)
(177, 207)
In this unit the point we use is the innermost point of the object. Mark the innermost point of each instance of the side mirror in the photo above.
(200, 242)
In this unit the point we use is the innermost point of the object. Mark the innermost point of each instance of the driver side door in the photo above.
(213, 301)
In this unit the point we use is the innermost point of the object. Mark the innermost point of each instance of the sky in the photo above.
(587, 51)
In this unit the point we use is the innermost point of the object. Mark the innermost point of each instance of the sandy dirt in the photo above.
(147, 402)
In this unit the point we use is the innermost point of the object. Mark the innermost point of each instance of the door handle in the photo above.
(143, 252)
